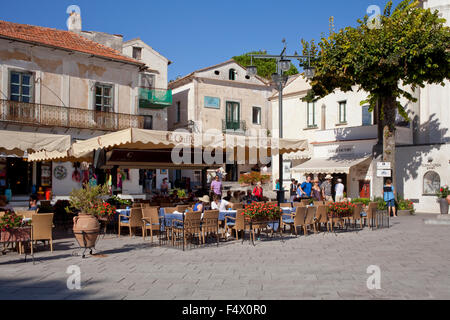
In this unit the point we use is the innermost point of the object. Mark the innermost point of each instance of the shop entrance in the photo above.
(19, 176)
(364, 189)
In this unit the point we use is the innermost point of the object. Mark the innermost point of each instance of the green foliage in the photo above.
(364, 201)
(88, 198)
(405, 205)
(411, 48)
(180, 192)
(116, 201)
(381, 204)
(266, 67)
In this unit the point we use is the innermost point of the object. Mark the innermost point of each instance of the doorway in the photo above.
(19, 176)
(364, 189)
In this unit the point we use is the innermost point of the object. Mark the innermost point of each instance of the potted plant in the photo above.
(253, 178)
(13, 228)
(262, 212)
(89, 202)
(444, 199)
(340, 209)
(405, 207)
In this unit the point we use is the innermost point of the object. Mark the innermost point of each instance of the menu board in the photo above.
(46, 174)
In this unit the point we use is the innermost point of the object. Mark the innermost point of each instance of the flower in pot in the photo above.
(443, 199)
(405, 207)
(89, 202)
(12, 228)
(340, 209)
(259, 211)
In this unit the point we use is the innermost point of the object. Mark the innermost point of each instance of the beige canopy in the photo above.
(331, 166)
(141, 139)
(17, 142)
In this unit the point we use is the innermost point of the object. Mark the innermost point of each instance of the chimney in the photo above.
(74, 22)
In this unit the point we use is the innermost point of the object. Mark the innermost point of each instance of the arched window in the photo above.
(431, 183)
(232, 74)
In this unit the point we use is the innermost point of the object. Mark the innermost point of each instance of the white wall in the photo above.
(132, 186)
(64, 187)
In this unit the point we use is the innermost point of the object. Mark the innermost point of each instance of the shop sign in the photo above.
(384, 166)
(384, 173)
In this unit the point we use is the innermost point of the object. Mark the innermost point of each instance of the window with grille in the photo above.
(147, 80)
(178, 112)
(21, 87)
(137, 53)
(104, 97)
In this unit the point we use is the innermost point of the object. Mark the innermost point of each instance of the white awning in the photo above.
(19, 143)
(330, 165)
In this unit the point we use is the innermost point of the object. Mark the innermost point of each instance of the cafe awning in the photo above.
(17, 142)
(330, 165)
(141, 139)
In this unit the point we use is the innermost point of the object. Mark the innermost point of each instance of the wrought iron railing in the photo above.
(55, 116)
(234, 126)
(154, 98)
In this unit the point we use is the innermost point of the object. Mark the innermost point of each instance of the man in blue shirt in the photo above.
(304, 191)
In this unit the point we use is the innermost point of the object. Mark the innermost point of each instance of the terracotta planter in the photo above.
(404, 213)
(86, 229)
(16, 235)
(444, 204)
(448, 199)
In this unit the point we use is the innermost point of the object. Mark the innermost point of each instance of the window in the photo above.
(311, 114)
(233, 113)
(21, 87)
(137, 53)
(431, 183)
(256, 115)
(178, 112)
(232, 74)
(366, 116)
(147, 80)
(343, 112)
(400, 121)
(103, 97)
(148, 122)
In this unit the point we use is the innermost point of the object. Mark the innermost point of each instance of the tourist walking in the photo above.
(339, 188)
(216, 187)
(293, 190)
(305, 189)
(326, 187)
(389, 198)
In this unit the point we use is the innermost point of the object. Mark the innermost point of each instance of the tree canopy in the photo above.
(266, 67)
(409, 47)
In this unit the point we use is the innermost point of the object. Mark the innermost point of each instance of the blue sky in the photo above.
(198, 33)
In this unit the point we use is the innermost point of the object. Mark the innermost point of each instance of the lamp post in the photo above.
(280, 80)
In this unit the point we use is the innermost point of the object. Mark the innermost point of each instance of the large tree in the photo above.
(266, 67)
(408, 47)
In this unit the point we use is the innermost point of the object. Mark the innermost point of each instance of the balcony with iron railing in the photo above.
(55, 116)
(154, 98)
(234, 127)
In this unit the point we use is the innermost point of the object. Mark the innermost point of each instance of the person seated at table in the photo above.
(228, 197)
(249, 198)
(164, 187)
(33, 206)
(317, 192)
(202, 204)
(236, 197)
(220, 204)
(4, 205)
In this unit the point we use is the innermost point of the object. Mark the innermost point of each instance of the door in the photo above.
(364, 189)
(233, 115)
(19, 176)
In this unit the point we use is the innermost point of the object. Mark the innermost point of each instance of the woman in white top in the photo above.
(219, 204)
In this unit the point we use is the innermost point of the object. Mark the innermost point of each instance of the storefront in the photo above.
(350, 161)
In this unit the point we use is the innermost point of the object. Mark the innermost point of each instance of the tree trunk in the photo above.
(389, 112)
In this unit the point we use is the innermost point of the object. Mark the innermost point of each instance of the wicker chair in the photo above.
(191, 227)
(182, 208)
(286, 205)
(299, 204)
(372, 214)
(42, 227)
(357, 215)
(310, 219)
(150, 220)
(237, 224)
(210, 224)
(297, 219)
(236, 206)
(26, 214)
(322, 217)
(133, 221)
